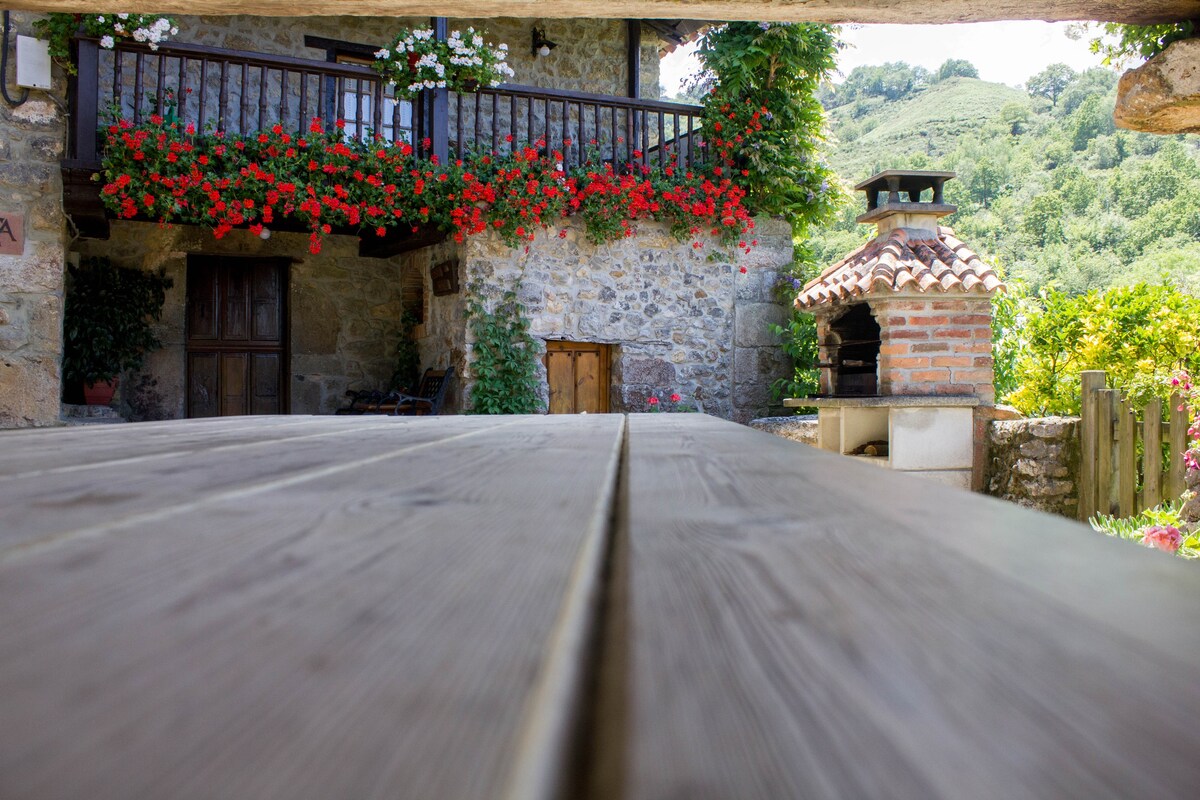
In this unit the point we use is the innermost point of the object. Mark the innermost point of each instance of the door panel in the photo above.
(577, 374)
(203, 384)
(236, 354)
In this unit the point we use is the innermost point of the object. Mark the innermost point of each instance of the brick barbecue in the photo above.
(905, 337)
(908, 313)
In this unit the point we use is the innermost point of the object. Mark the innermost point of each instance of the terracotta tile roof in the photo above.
(901, 262)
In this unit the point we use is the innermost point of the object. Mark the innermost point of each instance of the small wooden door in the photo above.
(578, 376)
(236, 336)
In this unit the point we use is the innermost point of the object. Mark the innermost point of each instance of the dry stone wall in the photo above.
(1035, 463)
(32, 138)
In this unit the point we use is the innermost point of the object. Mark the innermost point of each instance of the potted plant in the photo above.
(58, 28)
(106, 323)
(417, 60)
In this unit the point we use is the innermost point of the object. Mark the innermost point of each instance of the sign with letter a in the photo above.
(12, 234)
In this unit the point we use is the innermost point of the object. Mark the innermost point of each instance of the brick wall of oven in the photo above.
(935, 346)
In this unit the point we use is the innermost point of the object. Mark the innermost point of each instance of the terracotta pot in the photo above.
(99, 394)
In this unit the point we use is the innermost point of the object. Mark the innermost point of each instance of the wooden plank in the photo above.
(1090, 381)
(788, 623)
(1126, 460)
(588, 383)
(1178, 442)
(405, 624)
(560, 377)
(49, 506)
(1152, 469)
(1104, 404)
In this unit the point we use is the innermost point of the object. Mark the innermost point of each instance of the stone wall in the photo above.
(680, 319)
(590, 56)
(344, 314)
(32, 138)
(1035, 463)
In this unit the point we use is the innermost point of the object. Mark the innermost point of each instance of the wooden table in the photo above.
(652, 606)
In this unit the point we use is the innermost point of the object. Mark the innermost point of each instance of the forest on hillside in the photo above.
(1047, 187)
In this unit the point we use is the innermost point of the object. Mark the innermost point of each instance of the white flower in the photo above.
(385, 53)
(99, 19)
(140, 35)
(477, 41)
(502, 46)
(174, 31)
(107, 42)
(122, 16)
(118, 27)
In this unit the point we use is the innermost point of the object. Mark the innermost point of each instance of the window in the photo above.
(353, 100)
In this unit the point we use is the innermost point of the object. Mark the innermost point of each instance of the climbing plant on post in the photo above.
(762, 118)
(504, 360)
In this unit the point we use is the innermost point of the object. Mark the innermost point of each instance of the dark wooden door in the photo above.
(236, 336)
(577, 373)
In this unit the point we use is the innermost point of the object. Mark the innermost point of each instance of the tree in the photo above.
(956, 68)
(1051, 82)
(1093, 118)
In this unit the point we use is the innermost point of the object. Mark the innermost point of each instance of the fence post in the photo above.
(1152, 454)
(85, 92)
(1104, 402)
(1090, 382)
(1126, 460)
(1178, 444)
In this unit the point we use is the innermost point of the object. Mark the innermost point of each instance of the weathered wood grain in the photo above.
(413, 625)
(789, 623)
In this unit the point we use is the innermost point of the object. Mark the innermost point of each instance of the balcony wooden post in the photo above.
(438, 116)
(85, 99)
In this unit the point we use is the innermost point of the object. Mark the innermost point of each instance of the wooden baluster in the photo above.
(612, 133)
(675, 136)
(458, 125)
(223, 98)
(478, 118)
(322, 91)
(181, 82)
(242, 98)
(662, 139)
(262, 97)
(645, 138)
(1152, 454)
(203, 94)
(138, 66)
(161, 77)
(529, 121)
(285, 80)
(118, 80)
(304, 78)
(495, 124)
(546, 124)
(512, 123)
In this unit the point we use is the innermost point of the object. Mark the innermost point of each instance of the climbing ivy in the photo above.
(504, 363)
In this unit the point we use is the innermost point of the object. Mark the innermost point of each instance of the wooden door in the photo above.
(577, 373)
(236, 336)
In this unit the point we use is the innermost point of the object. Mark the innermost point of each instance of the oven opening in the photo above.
(854, 352)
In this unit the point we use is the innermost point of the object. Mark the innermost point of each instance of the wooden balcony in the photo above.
(240, 92)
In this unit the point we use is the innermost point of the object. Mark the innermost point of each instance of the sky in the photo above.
(1003, 52)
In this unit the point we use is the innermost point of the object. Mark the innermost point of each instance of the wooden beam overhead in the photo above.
(864, 11)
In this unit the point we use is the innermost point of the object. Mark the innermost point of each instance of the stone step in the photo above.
(89, 415)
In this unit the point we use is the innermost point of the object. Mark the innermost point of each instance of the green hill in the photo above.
(930, 122)
(1051, 191)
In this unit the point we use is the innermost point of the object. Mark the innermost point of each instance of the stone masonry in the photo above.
(678, 321)
(1035, 463)
(32, 137)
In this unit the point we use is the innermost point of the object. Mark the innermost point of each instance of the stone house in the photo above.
(655, 314)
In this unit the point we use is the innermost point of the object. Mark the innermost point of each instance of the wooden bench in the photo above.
(427, 401)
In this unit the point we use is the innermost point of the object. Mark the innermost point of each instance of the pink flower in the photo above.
(1164, 537)
(653, 401)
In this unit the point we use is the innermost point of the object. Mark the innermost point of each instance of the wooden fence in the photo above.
(1113, 478)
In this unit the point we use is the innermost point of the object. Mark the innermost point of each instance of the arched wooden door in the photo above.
(578, 376)
(236, 336)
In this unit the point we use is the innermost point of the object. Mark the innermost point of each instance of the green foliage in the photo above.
(408, 355)
(1122, 43)
(58, 28)
(1140, 335)
(1127, 199)
(106, 319)
(762, 116)
(1050, 82)
(504, 363)
(956, 68)
(1165, 516)
(799, 341)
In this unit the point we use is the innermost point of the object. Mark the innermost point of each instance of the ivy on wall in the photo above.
(504, 364)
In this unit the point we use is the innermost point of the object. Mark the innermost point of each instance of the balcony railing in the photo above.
(239, 92)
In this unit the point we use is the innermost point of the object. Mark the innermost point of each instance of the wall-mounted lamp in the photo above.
(541, 45)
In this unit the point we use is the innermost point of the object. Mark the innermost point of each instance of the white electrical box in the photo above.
(33, 63)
